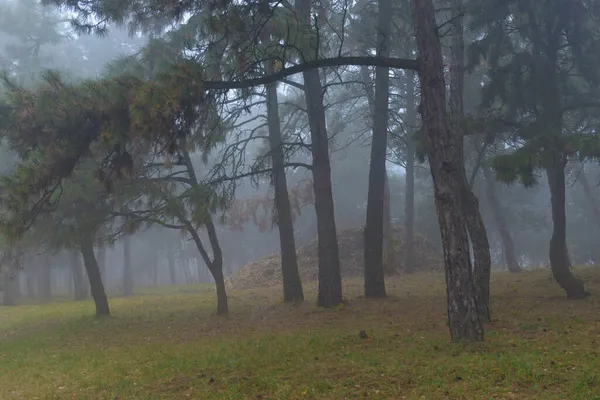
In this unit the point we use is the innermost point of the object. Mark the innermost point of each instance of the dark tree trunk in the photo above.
(292, 286)
(127, 271)
(409, 206)
(215, 266)
(373, 253)
(171, 265)
(559, 257)
(508, 247)
(470, 203)
(102, 262)
(79, 286)
(481, 251)
(93, 272)
(447, 172)
(330, 279)
(216, 269)
(389, 263)
(44, 274)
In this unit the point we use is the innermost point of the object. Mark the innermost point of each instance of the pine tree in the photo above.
(540, 76)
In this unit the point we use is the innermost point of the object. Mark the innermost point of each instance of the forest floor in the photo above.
(168, 344)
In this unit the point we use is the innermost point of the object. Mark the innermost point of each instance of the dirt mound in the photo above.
(267, 271)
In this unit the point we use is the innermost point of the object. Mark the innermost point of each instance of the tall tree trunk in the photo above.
(79, 286)
(447, 172)
(559, 256)
(508, 246)
(292, 286)
(93, 272)
(330, 279)
(44, 279)
(102, 261)
(373, 253)
(389, 253)
(470, 203)
(409, 204)
(127, 270)
(389, 262)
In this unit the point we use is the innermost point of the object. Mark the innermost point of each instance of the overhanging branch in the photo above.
(394, 63)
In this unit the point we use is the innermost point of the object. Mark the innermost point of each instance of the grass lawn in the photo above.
(169, 344)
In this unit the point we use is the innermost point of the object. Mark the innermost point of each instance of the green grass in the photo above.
(168, 344)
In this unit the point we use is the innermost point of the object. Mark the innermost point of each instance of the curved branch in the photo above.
(397, 63)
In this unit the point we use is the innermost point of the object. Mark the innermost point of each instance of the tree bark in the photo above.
(409, 203)
(447, 171)
(79, 286)
(102, 261)
(481, 252)
(215, 266)
(93, 272)
(330, 280)
(292, 286)
(389, 262)
(373, 253)
(559, 256)
(127, 271)
(508, 246)
(470, 203)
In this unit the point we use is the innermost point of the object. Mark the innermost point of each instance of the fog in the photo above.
(34, 39)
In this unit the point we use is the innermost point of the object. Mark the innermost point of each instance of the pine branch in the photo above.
(396, 63)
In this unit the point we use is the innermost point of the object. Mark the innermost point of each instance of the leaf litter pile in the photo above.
(267, 271)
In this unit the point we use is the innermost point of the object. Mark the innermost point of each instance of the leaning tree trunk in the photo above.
(559, 256)
(330, 279)
(447, 172)
(215, 266)
(292, 286)
(409, 203)
(373, 253)
(470, 203)
(481, 252)
(79, 286)
(102, 262)
(86, 245)
(508, 246)
(127, 271)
